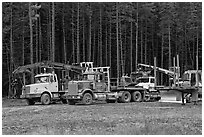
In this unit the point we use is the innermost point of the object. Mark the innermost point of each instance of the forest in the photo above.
(115, 34)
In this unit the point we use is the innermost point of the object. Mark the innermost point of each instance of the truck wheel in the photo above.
(87, 99)
(30, 102)
(126, 97)
(71, 102)
(45, 99)
(136, 96)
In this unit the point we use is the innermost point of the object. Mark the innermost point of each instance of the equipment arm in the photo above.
(168, 72)
(46, 64)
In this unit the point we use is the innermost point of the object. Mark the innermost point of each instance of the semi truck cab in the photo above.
(92, 86)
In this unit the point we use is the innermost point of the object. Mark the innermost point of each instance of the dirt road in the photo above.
(101, 119)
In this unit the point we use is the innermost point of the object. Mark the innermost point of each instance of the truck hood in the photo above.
(36, 84)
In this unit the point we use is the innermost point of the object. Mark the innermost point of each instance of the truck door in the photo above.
(151, 82)
(100, 83)
(53, 84)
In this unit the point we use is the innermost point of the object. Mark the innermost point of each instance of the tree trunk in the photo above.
(94, 45)
(110, 46)
(162, 58)
(121, 49)
(73, 37)
(106, 45)
(40, 40)
(31, 42)
(98, 58)
(23, 42)
(141, 43)
(53, 32)
(36, 48)
(131, 46)
(169, 46)
(100, 38)
(48, 35)
(64, 36)
(136, 40)
(78, 52)
(90, 15)
(84, 49)
(146, 42)
(153, 50)
(10, 93)
(117, 41)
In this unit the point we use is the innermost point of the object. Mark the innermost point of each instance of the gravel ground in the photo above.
(144, 118)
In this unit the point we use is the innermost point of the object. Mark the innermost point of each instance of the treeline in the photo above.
(119, 35)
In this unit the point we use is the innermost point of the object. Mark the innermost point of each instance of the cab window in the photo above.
(52, 78)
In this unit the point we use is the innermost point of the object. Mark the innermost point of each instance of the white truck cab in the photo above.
(42, 90)
(146, 82)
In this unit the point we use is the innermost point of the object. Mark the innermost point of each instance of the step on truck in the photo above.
(95, 85)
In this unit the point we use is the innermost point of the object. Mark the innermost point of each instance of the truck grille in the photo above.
(72, 89)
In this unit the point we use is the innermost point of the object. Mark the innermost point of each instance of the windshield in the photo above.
(42, 79)
(88, 77)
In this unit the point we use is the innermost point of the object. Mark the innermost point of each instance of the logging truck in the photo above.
(95, 85)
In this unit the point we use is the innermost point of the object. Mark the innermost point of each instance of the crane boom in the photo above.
(47, 64)
(168, 72)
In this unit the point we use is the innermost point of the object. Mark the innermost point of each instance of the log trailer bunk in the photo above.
(190, 86)
(95, 85)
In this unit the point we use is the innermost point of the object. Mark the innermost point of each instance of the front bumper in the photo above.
(29, 96)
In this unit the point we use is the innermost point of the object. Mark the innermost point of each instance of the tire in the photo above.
(64, 101)
(30, 102)
(71, 102)
(126, 97)
(45, 99)
(87, 99)
(136, 96)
